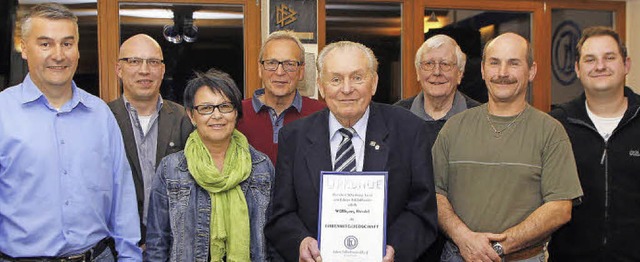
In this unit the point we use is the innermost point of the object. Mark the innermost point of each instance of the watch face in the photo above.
(498, 248)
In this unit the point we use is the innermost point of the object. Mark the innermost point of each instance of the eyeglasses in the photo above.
(207, 109)
(431, 65)
(287, 65)
(136, 61)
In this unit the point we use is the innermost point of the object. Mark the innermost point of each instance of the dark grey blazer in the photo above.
(404, 151)
(174, 128)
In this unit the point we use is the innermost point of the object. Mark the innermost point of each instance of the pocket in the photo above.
(100, 179)
(178, 194)
(261, 182)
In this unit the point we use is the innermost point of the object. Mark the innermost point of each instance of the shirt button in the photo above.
(66, 203)
(64, 172)
(62, 142)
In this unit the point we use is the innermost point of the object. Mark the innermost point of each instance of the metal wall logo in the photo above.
(563, 52)
(351, 242)
(285, 15)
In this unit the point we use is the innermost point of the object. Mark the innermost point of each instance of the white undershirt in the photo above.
(144, 123)
(604, 125)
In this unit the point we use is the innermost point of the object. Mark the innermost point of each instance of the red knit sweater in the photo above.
(258, 129)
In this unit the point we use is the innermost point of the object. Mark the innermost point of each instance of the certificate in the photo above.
(353, 216)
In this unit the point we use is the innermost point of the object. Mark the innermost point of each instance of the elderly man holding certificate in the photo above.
(353, 134)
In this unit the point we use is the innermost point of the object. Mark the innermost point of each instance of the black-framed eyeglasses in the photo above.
(431, 65)
(287, 65)
(207, 109)
(137, 61)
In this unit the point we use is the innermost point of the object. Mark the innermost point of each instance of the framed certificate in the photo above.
(353, 216)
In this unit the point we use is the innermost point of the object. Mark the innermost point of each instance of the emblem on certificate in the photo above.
(353, 216)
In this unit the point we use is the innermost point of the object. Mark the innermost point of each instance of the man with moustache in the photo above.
(66, 192)
(383, 137)
(281, 67)
(504, 171)
(440, 66)
(151, 127)
(603, 125)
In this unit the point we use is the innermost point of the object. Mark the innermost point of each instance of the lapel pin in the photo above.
(377, 147)
(171, 144)
(372, 143)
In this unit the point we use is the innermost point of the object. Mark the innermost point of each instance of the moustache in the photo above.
(504, 81)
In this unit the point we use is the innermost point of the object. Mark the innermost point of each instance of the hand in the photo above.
(477, 246)
(309, 251)
(391, 253)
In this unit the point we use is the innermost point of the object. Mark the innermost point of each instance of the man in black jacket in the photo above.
(603, 125)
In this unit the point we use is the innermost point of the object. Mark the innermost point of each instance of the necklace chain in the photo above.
(497, 132)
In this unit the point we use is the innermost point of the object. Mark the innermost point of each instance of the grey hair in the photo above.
(52, 11)
(373, 61)
(437, 41)
(283, 35)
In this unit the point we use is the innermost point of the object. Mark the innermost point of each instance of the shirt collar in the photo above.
(360, 126)
(459, 105)
(31, 93)
(257, 104)
(129, 107)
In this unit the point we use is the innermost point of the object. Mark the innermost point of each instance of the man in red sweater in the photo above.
(281, 67)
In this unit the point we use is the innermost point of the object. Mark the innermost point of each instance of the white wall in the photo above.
(633, 43)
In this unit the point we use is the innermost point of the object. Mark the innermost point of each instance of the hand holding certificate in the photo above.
(352, 221)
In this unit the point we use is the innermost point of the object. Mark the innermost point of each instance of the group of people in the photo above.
(144, 178)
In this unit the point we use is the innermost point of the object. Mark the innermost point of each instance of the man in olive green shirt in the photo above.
(504, 172)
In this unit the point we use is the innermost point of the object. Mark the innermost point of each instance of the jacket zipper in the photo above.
(605, 161)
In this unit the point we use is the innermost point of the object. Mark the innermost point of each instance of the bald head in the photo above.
(140, 67)
(510, 39)
(140, 43)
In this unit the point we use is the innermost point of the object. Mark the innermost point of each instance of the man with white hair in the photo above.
(383, 138)
(440, 67)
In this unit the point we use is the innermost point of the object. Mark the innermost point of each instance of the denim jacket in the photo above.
(180, 211)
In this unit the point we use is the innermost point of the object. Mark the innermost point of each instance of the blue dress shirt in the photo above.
(65, 182)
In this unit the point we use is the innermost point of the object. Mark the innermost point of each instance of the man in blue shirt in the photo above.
(66, 190)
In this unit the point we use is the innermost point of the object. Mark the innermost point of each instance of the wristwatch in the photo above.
(498, 248)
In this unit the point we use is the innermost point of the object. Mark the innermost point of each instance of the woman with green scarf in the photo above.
(209, 202)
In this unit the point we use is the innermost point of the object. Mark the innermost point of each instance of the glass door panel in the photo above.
(379, 27)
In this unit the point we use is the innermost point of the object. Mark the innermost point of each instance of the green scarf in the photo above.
(229, 227)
